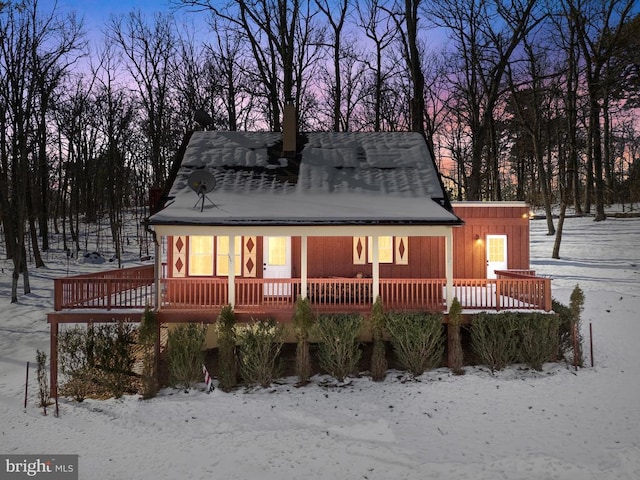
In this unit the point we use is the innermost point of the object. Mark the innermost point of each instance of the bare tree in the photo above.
(114, 117)
(530, 99)
(599, 27)
(278, 34)
(376, 21)
(485, 36)
(150, 52)
(335, 13)
(35, 51)
(406, 17)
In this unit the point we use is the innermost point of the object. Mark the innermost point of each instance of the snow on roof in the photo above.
(338, 178)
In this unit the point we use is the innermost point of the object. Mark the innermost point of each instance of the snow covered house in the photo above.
(257, 219)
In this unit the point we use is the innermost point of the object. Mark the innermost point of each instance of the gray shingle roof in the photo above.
(337, 178)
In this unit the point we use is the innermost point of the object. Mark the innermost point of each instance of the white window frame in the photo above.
(197, 265)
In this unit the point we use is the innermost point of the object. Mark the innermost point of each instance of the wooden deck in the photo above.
(125, 291)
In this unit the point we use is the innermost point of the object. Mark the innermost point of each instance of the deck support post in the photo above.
(231, 295)
(448, 251)
(375, 268)
(53, 360)
(303, 267)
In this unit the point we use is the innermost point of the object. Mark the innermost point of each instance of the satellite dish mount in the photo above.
(202, 183)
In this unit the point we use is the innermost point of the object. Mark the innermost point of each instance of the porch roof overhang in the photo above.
(308, 230)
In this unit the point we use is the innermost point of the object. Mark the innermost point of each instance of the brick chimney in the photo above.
(289, 128)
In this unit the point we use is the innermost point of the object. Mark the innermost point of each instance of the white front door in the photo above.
(496, 254)
(277, 264)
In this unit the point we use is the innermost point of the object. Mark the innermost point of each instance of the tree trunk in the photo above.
(596, 135)
(558, 239)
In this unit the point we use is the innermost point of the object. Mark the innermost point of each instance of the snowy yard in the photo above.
(518, 424)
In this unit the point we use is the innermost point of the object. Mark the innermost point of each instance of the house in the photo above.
(257, 219)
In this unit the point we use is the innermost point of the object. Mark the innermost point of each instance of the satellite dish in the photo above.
(202, 182)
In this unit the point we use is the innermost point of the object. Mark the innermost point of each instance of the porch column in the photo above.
(448, 251)
(157, 273)
(231, 279)
(303, 267)
(375, 268)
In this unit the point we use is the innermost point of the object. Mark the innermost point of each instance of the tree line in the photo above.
(519, 100)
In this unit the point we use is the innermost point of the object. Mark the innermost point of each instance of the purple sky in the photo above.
(96, 12)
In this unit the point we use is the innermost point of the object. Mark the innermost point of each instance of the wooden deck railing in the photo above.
(413, 294)
(340, 293)
(266, 293)
(515, 273)
(133, 288)
(121, 288)
(532, 293)
(194, 293)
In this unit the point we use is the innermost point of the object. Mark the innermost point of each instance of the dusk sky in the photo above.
(96, 12)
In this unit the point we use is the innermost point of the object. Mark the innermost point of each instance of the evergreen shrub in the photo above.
(378, 321)
(112, 357)
(185, 355)
(565, 328)
(76, 362)
(538, 338)
(260, 343)
(227, 368)
(147, 339)
(43, 380)
(494, 339)
(338, 346)
(303, 321)
(455, 352)
(417, 340)
(576, 305)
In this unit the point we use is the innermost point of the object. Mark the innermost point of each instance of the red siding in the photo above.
(481, 221)
(333, 256)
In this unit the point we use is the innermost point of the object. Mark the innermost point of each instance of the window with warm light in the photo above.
(222, 256)
(200, 255)
(277, 252)
(495, 250)
(385, 249)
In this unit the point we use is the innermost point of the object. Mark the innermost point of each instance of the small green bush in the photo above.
(538, 338)
(576, 305)
(75, 362)
(227, 368)
(455, 352)
(417, 339)
(185, 355)
(378, 321)
(565, 329)
(303, 321)
(147, 339)
(43, 380)
(338, 346)
(260, 343)
(494, 339)
(113, 357)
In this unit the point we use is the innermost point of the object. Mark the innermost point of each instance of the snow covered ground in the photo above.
(558, 424)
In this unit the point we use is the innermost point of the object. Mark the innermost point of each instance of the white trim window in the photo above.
(385, 249)
(200, 255)
(390, 250)
(222, 256)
